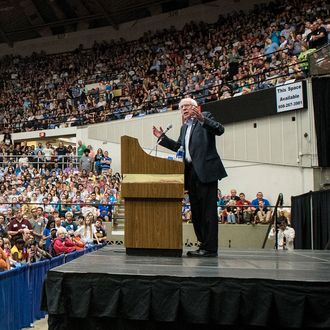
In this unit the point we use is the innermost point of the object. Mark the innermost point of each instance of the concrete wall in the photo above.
(238, 237)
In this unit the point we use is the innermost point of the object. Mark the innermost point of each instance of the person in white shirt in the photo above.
(285, 236)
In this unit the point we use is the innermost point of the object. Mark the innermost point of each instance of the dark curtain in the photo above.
(321, 219)
(301, 220)
(321, 99)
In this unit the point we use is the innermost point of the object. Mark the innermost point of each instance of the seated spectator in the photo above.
(88, 208)
(87, 231)
(18, 252)
(7, 250)
(233, 195)
(229, 214)
(244, 211)
(262, 213)
(186, 210)
(260, 197)
(105, 210)
(62, 243)
(100, 233)
(69, 224)
(285, 236)
(35, 253)
(4, 260)
(220, 204)
(318, 37)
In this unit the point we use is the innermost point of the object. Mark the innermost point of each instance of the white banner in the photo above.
(289, 97)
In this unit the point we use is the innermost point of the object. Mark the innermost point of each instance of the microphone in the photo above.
(166, 130)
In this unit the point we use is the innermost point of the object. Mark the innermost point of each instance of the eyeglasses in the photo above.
(185, 106)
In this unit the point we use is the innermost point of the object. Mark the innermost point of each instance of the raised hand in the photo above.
(157, 132)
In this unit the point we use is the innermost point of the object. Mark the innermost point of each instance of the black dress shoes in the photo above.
(202, 253)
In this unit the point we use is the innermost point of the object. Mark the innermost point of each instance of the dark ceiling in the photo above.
(28, 19)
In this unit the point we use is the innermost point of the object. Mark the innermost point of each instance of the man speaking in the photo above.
(203, 169)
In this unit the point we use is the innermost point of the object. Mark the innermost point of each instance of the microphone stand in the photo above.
(155, 148)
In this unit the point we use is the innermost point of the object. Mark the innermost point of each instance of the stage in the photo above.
(107, 289)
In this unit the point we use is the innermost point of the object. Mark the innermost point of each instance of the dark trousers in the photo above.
(203, 202)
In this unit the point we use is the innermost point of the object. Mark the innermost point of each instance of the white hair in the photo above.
(192, 101)
(61, 230)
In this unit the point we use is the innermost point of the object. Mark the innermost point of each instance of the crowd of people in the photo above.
(54, 205)
(240, 53)
(234, 208)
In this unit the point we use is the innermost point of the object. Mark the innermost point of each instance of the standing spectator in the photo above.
(47, 234)
(3, 227)
(17, 226)
(80, 149)
(38, 222)
(61, 152)
(48, 153)
(106, 162)
(97, 159)
(86, 162)
(91, 151)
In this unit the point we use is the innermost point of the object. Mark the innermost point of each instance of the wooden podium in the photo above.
(153, 190)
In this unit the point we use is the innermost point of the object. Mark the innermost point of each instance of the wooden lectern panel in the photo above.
(153, 189)
(153, 224)
(135, 160)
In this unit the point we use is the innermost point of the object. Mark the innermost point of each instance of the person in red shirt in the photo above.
(62, 243)
(17, 226)
(244, 209)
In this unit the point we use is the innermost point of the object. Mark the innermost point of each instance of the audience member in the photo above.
(244, 211)
(285, 236)
(62, 243)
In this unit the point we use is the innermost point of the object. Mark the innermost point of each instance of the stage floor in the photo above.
(298, 265)
(264, 289)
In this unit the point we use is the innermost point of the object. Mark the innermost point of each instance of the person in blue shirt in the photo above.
(106, 162)
(260, 197)
(105, 209)
(270, 47)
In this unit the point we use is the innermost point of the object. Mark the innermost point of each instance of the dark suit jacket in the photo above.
(202, 148)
